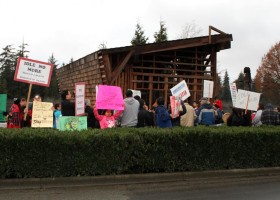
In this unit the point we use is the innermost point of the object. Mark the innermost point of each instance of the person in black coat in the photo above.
(145, 117)
(67, 106)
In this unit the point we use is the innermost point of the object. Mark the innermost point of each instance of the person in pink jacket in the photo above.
(108, 120)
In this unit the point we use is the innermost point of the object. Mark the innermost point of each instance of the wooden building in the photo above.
(151, 68)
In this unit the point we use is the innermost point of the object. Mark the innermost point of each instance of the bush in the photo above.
(42, 152)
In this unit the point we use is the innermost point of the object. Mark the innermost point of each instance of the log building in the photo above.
(151, 68)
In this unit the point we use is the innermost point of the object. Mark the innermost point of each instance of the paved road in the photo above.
(215, 188)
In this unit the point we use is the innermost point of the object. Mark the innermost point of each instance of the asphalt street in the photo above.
(245, 186)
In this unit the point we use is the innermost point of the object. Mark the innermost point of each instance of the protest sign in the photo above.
(42, 114)
(181, 90)
(136, 93)
(247, 100)
(109, 97)
(175, 103)
(71, 123)
(233, 92)
(33, 72)
(3, 105)
(208, 89)
(80, 99)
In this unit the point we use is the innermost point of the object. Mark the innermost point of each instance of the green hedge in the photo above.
(32, 152)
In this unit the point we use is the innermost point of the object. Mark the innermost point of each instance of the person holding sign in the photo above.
(67, 107)
(108, 120)
(29, 109)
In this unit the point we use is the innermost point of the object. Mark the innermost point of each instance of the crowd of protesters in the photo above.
(137, 114)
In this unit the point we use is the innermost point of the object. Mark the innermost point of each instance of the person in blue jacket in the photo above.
(163, 118)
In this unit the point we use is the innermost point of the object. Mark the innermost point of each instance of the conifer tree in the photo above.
(139, 37)
(226, 96)
(161, 35)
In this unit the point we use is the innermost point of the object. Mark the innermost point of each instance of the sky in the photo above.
(75, 28)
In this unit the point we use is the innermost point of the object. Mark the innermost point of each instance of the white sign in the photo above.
(80, 89)
(208, 89)
(136, 92)
(181, 90)
(247, 100)
(42, 114)
(33, 71)
(233, 92)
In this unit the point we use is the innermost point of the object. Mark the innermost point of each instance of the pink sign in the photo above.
(109, 97)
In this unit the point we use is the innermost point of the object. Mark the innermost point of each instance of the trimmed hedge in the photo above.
(32, 152)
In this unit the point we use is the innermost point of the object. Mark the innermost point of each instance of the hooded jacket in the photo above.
(130, 113)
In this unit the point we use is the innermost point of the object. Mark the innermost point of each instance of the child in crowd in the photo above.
(108, 120)
(56, 115)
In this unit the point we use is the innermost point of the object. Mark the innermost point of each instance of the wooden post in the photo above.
(247, 103)
(28, 98)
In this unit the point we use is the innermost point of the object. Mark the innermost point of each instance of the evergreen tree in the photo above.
(21, 88)
(139, 37)
(7, 70)
(218, 87)
(52, 90)
(226, 96)
(161, 35)
(240, 81)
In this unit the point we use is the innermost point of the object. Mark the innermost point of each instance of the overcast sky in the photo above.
(75, 28)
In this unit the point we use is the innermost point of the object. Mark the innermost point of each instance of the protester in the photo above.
(205, 113)
(67, 106)
(108, 120)
(163, 118)
(269, 116)
(129, 116)
(15, 117)
(256, 120)
(29, 109)
(196, 107)
(238, 118)
(91, 120)
(188, 118)
(56, 115)
(176, 121)
(218, 114)
(145, 117)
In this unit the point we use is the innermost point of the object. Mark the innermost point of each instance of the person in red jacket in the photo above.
(15, 117)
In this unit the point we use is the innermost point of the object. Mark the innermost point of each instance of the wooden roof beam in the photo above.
(118, 70)
(214, 29)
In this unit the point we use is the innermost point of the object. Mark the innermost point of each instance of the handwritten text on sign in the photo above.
(42, 114)
(109, 97)
(247, 100)
(32, 71)
(181, 90)
(80, 98)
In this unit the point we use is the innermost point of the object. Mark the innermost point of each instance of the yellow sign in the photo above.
(42, 114)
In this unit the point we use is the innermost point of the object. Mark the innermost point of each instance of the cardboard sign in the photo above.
(42, 114)
(109, 97)
(247, 100)
(33, 71)
(136, 92)
(233, 92)
(71, 123)
(208, 89)
(80, 99)
(181, 90)
(175, 103)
